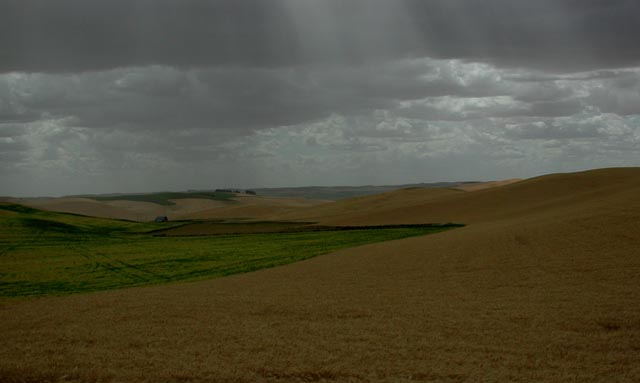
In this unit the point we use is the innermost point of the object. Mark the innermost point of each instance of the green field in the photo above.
(165, 198)
(46, 253)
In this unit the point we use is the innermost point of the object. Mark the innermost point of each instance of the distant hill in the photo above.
(334, 193)
(164, 198)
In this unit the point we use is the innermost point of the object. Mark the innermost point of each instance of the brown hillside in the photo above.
(557, 193)
(343, 210)
(486, 185)
(541, 286)
(251, 207)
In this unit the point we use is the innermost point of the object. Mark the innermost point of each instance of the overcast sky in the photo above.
(141, 95)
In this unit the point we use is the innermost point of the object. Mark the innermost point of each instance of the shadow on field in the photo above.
(222, 228)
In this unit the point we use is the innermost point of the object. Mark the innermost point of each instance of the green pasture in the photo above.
(46, 253)
(166, 197)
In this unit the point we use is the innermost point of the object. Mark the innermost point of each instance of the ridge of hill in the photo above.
(560, 192)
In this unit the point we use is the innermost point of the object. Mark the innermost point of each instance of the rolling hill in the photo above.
(540, 286)
(178, 206)
(552, 194)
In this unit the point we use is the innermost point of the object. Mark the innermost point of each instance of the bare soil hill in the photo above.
(541, 286)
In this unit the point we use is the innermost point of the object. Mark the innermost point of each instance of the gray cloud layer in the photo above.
(79, 35)
(100, 96)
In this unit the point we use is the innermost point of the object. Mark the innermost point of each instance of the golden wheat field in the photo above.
(542, 285)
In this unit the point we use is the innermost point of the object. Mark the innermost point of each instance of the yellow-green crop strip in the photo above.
(46, 253)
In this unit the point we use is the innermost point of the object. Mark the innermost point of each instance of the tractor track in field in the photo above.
(117, 266)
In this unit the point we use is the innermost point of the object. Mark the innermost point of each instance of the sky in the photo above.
(147, 95)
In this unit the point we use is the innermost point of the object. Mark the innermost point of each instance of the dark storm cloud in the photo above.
(243, 99)
(555, 35)
(80, 35)
(246, 100)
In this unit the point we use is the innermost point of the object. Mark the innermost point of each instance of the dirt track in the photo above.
(541, 286)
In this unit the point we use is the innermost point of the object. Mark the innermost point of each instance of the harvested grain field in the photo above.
(541, 286)
(238, 206)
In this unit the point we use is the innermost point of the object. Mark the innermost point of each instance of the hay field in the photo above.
(541, 286)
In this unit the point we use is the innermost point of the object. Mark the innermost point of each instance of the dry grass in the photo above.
(541, 286)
